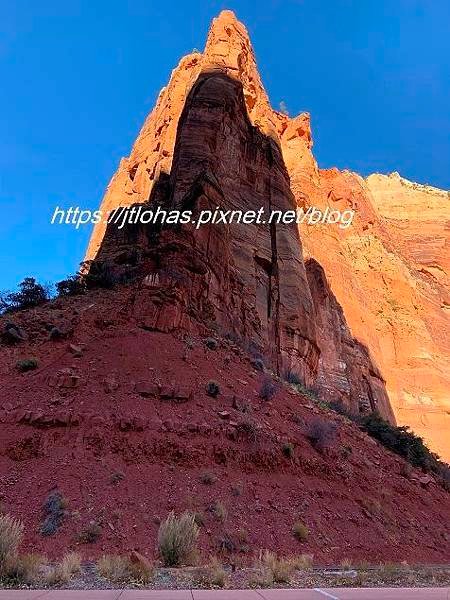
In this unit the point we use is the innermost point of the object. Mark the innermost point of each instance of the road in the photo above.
(265, 594)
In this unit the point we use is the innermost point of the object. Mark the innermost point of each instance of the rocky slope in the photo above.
(388, 271)
(116, 419)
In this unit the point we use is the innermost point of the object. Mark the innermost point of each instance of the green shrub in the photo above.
(292, 377)
(29, 295)
(257, 364)
(54, 510)
(27, 364)
(401, 441)
(100, 275)
(211, 343)
(212, 389)
(288, 450)
(296, 381)
(72, 286)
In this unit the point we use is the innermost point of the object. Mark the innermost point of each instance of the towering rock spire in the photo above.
(228, 50)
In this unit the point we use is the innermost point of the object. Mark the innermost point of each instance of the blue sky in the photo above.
(78, 78)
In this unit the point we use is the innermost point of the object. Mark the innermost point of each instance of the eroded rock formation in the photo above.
(389, 271)
(248, 279)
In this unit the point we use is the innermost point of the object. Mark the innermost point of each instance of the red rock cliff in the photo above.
(387, 272)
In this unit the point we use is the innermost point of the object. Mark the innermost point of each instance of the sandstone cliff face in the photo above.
(249, 280)
(388, 273)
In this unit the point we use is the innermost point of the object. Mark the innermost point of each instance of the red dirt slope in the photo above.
(92, 422)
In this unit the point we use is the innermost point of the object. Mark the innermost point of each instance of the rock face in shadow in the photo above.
(388, 270)
(247, 279)
(346, 374)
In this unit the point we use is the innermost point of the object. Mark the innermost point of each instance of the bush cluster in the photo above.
(402, 441)
(30, 294)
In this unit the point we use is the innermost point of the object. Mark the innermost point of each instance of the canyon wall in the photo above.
(369, 313)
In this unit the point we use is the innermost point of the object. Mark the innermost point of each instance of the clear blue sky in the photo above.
(78, 77)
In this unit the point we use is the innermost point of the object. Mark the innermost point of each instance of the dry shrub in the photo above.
(27, 364)
(372, 506)
(248, 430)
(121, 569)
(279, 569)
(26, 569)
(302, 562)
(208, 478)
(268, 388)
(300, 531)
(177, 539)
(237, 489)
(90, 534)
(11, 534)
(213, 575)
(114, 568)
(261, 580)
(63, 571)
(219, 510)
(321, 434)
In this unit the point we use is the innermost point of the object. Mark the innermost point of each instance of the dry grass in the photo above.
(114, 568)
(302, 562)
(26, 569)
(260, 580)
(199, 518)
(208, 478)
(219, 510)
(11, 534)
(213, 575)
(177, 539)
(278, 569)
(65, 570)
(346, 564)
(120, 569)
